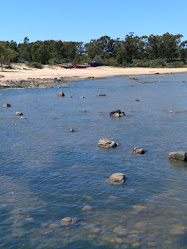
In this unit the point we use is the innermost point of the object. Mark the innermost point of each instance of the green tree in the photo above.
(131, 47)
(69, 51)
(183, 51)
(40, 52)
(169, 46)
(93, 49)
(6, 55)
(24, 50)
(153, 47)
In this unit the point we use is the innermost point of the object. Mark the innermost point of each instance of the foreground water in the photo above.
(48, 173)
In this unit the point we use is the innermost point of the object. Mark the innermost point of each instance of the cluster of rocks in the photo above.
(116, 178)
(16, 113)
(32, 83)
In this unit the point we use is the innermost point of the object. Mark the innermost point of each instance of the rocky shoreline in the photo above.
(40, 82)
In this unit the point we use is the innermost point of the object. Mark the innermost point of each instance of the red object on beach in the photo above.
(80, 66)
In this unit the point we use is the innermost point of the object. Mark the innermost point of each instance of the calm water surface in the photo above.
(48, 173)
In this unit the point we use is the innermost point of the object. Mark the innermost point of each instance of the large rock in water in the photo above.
(61, 94)
(138, 150)
(18, 113)
(117, 178)
(106, 143)
(178, 156)
(6, 105)
(117, 113)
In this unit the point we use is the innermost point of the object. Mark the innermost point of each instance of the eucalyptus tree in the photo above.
(183, 51)
(153, 47)
(131, 47)
(169, 46)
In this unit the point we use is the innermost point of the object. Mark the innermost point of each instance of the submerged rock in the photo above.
(116, 178)
(178, 156)
(61, 94)
(120, 230)
(106, 143)
(170, 111)
(18, 113)
(87, 208)
(6, 105)
(117, 113)
(66, 221)
(101, 94)
(138, 150)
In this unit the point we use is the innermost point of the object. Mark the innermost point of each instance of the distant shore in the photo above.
(22, 76)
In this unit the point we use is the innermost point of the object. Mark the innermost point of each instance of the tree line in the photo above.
(146, 51)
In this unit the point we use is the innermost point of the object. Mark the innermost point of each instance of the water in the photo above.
(48, 173)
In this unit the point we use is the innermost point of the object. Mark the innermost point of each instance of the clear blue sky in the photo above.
(74, 20)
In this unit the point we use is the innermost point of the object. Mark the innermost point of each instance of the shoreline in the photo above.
(22, 76)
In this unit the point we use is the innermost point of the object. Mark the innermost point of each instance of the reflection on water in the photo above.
(48, 173)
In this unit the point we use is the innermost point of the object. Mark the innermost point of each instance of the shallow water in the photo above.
(48, 173)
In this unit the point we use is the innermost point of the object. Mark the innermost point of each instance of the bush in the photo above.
(148, 63)
(176, 64)
(35, 65)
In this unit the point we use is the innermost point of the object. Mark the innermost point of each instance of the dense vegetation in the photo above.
(133, 51)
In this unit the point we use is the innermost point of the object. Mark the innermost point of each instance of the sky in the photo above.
(74, 20)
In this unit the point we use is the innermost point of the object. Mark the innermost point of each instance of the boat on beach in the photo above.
(66, 65)
(80, 66)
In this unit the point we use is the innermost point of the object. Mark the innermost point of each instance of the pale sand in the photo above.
(17, 73)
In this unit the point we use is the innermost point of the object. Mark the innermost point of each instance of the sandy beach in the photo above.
(20, 72)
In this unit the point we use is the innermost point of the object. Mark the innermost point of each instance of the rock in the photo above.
(101, 94)
(18, 113)
(117, 178)
(87, 208)
(106, 143)
(6, 105)
(22, 118)
(138, 150)
(61, 94)
(178, 156)
(71, 130)
(66, 221)
(117, 113)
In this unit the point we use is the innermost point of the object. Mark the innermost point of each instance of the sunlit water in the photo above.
(48, 173)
